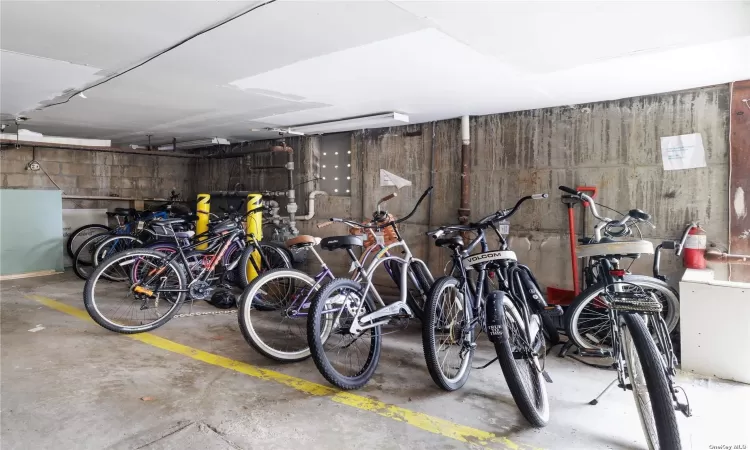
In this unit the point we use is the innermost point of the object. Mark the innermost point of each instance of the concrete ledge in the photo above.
(714, 326)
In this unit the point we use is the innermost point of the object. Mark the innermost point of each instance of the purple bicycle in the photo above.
(273, 308)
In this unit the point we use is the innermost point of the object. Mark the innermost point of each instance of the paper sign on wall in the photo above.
(683, 152)
(389, 179)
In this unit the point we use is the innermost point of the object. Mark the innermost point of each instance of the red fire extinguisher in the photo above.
(694, 249)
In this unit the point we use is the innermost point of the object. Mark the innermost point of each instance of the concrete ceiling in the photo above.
(295, 62)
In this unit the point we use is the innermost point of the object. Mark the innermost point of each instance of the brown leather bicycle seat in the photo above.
(300, 241)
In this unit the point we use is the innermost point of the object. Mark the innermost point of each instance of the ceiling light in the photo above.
(336, 153)
(80, 94)
(335, 190)
(349, 152)
(286, 131)
(195, 144)
(355, 123)
(336, 178)
(324, 166)
(324, 153)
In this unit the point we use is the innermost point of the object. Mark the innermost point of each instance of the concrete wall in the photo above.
(613, 145)
(82, 172)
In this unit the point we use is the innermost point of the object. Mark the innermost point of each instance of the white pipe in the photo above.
(465, 134)
(311, 205)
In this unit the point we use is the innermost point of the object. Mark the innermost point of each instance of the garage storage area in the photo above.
(375, 224)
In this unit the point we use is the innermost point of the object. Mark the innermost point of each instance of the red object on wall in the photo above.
(693, 254)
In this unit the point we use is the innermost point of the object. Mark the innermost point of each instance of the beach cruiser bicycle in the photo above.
(643, 356)
(273, 309)
(460, 306)
(345, 317)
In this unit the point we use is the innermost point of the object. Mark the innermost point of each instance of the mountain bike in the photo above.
(640, 346)
(155, 284)
(345, 317)
(586, 319)
(459, 307)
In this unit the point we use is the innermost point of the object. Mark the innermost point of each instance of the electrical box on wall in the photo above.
(336, 164)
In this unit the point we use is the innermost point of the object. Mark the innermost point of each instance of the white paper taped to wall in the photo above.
(389, 179)
(683, 152)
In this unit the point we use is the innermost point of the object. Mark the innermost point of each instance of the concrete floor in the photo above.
(76, 385)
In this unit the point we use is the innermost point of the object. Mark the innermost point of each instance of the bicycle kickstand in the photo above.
(607, 389)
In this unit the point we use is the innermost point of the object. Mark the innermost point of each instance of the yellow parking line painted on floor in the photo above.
(416, 419)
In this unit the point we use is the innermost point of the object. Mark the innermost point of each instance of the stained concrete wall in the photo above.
(613, 145)
(82, 172)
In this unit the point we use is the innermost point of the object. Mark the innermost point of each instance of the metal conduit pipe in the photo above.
(717, 256)
(464, 211)
(311, 205)
(291, 206)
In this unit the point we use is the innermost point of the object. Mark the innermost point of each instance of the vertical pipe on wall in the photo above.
(464, 211)
(291, 206)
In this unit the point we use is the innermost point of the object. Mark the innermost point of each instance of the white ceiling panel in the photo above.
(545, 36)
(25, 80)
(294, 62)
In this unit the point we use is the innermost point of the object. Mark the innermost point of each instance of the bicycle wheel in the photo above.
(522, 371)
(134, 307)
(83, 262)
(275, 258)
(346, 360)
(587, 319)
(446, 337)
(278, 331)
(112, 245)
(650, 386)
(80, 235)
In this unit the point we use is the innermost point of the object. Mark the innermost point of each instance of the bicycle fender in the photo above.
(495, 311)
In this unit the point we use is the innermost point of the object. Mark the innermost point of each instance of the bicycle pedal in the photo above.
(554, 311)
(546, 376)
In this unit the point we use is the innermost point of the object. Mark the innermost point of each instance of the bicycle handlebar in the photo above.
(383, 225)
(586, 198)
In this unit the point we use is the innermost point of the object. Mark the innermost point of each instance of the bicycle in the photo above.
(277, 301)
(124, 217)
(643, 359)
(461, 306)
(586, 318)
(153, 277)
(347, 315)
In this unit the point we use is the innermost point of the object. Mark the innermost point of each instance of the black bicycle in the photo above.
(461, 306)
(153, 284)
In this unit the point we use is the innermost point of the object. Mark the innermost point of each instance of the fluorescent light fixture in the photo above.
(355, 123)
(196, 143)
(286, 131)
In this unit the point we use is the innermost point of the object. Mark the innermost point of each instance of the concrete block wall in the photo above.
(83, 172)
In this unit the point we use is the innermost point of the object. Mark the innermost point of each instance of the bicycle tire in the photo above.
(536, 411)
(246, 311)
(89, 297)
(432, 321)
(102, 252)
(316, 339)
(532, 288)
(70, 243)
(572, 315)
(83, 262)
(651, 361)
(274, 253)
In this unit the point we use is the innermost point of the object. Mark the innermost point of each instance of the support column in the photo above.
(739, 182)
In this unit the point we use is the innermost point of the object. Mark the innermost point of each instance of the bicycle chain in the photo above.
(208, 313)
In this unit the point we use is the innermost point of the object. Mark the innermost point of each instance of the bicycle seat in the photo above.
(450, 242)
(184, 234)
(339, 242)
(615, 248)
(302, 241)
(590, 240)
